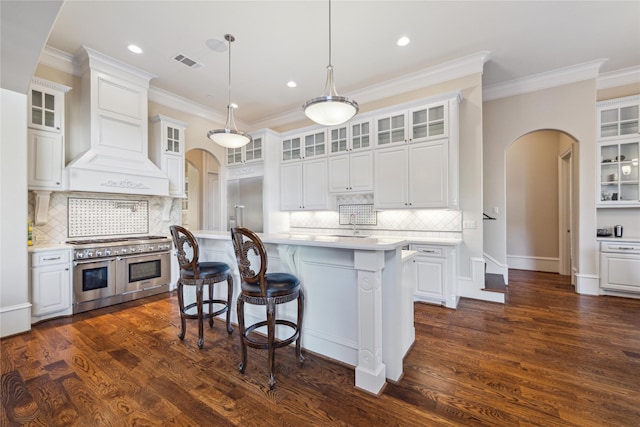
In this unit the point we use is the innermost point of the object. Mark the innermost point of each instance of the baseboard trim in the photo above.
(534, 263)
(15, 319)
(588, 284)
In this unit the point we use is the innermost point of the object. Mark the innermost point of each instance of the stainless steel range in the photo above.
(114, 270)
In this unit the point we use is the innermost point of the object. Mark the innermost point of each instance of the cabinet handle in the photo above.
(428, 251)
(51, 259)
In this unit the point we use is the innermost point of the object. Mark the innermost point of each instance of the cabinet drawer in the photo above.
(39, 259)
(423, 250)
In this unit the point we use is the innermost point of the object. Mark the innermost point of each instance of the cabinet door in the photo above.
(338, 140)
(428, 123)
(253, 150)
(174, 168)
(291, 149)
(315, 144)
(339, 174)
(361, 171)
(620, 272)
(428, 175)
(314, 181)
(46, 108)
(173, 140)
(45, 159)
(621, 120)
(234, 156)
(361, 135)
(391, 129)
(51, 289)
(291, 186)
(619, 174)
(431, 278)
(390, 178)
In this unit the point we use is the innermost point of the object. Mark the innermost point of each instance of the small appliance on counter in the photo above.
(617, 231)
(603, 232)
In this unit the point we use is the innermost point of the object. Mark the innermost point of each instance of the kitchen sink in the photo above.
(357, 236)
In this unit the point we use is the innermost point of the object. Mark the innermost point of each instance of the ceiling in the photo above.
(278, 41)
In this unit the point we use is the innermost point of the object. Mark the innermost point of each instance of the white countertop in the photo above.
(48, 247)
(630, 239)
(334, 241)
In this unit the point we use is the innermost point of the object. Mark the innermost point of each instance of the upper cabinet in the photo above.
(618, 118)
(46, 105)
(252, 152)
(45, 143)
(416, 160)
(618, 152)
(167, 150)
(351, 157)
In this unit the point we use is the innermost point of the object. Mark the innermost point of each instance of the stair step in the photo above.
(494, 283)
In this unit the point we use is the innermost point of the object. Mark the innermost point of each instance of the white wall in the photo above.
(569, 108)
(15, 309)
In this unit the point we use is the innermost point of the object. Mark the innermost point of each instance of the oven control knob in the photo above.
(107, 252)
(79, 254)
(150, 249)
(132, 250)
(123, 250)
(116, 252)
(89, 254)
(98, 253)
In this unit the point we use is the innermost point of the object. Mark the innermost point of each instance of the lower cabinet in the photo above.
(435, 274)
(620, 267)
(51, 273)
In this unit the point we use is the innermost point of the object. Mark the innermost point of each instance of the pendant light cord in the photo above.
(230, 39)
(330, 33)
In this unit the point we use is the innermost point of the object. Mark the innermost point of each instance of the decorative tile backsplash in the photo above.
(357, 214)
(57, 228)
(107, 217)
(415, 222)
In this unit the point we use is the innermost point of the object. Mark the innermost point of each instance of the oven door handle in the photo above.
(92, 261)
(143, 255)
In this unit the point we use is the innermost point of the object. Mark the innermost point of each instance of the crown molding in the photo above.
(162, 97)
(450, 70)
(626, 76)
(546, 80)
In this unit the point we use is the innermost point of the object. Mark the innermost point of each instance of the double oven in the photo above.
(115, 270)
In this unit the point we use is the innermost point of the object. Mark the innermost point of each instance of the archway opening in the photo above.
(540, 191)
(203, 208)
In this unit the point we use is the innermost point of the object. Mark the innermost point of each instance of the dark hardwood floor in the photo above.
(548, 357)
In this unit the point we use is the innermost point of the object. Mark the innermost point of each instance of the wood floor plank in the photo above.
(548, 357)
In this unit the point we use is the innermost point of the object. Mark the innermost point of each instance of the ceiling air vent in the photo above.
(187, 61)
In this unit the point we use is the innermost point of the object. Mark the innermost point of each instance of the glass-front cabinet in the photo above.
(304, 146)
(618, 152)
(252, 152)
(619, 179)
(619, 117)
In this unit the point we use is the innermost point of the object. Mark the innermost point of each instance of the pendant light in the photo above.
(230, 136)
(330, 109)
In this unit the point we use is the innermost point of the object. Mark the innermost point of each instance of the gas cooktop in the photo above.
(115, 240)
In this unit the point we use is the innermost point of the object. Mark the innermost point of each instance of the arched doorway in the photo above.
(539, 201)
(203, 210)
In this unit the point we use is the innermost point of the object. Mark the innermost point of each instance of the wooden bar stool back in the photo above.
(199, 274)
(268, 289)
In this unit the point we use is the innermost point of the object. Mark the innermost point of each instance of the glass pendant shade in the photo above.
(230, 136)
(330, 109)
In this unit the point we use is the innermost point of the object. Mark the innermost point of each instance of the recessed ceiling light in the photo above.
(133, 48)
(403, 41)
(291, 83)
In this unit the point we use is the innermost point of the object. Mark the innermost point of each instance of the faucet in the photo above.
(352, 221)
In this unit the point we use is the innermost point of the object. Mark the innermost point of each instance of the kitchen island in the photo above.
(358, 296)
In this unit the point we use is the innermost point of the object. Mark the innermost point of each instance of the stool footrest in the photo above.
(264, 344)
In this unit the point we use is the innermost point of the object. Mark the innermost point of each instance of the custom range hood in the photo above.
(112, 155)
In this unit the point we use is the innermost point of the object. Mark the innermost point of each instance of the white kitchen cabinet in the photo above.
(354, 136)
(50, 283)
(618, 173)
(45, 144)
(167, 150)
(412, 176)
(620, 266)
(252, 152)
(351, 172)
(435, 274)
(391, 129)
(303, 185)
(45, 154)
(618, 117)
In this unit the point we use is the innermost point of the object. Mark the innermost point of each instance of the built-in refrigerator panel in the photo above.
(244, 203)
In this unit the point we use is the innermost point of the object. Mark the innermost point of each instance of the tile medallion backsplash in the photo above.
(79, 215)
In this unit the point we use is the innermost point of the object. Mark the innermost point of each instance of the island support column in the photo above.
(370, 372)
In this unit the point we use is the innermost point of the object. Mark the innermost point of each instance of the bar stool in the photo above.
(199, 274)
(268, 289)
